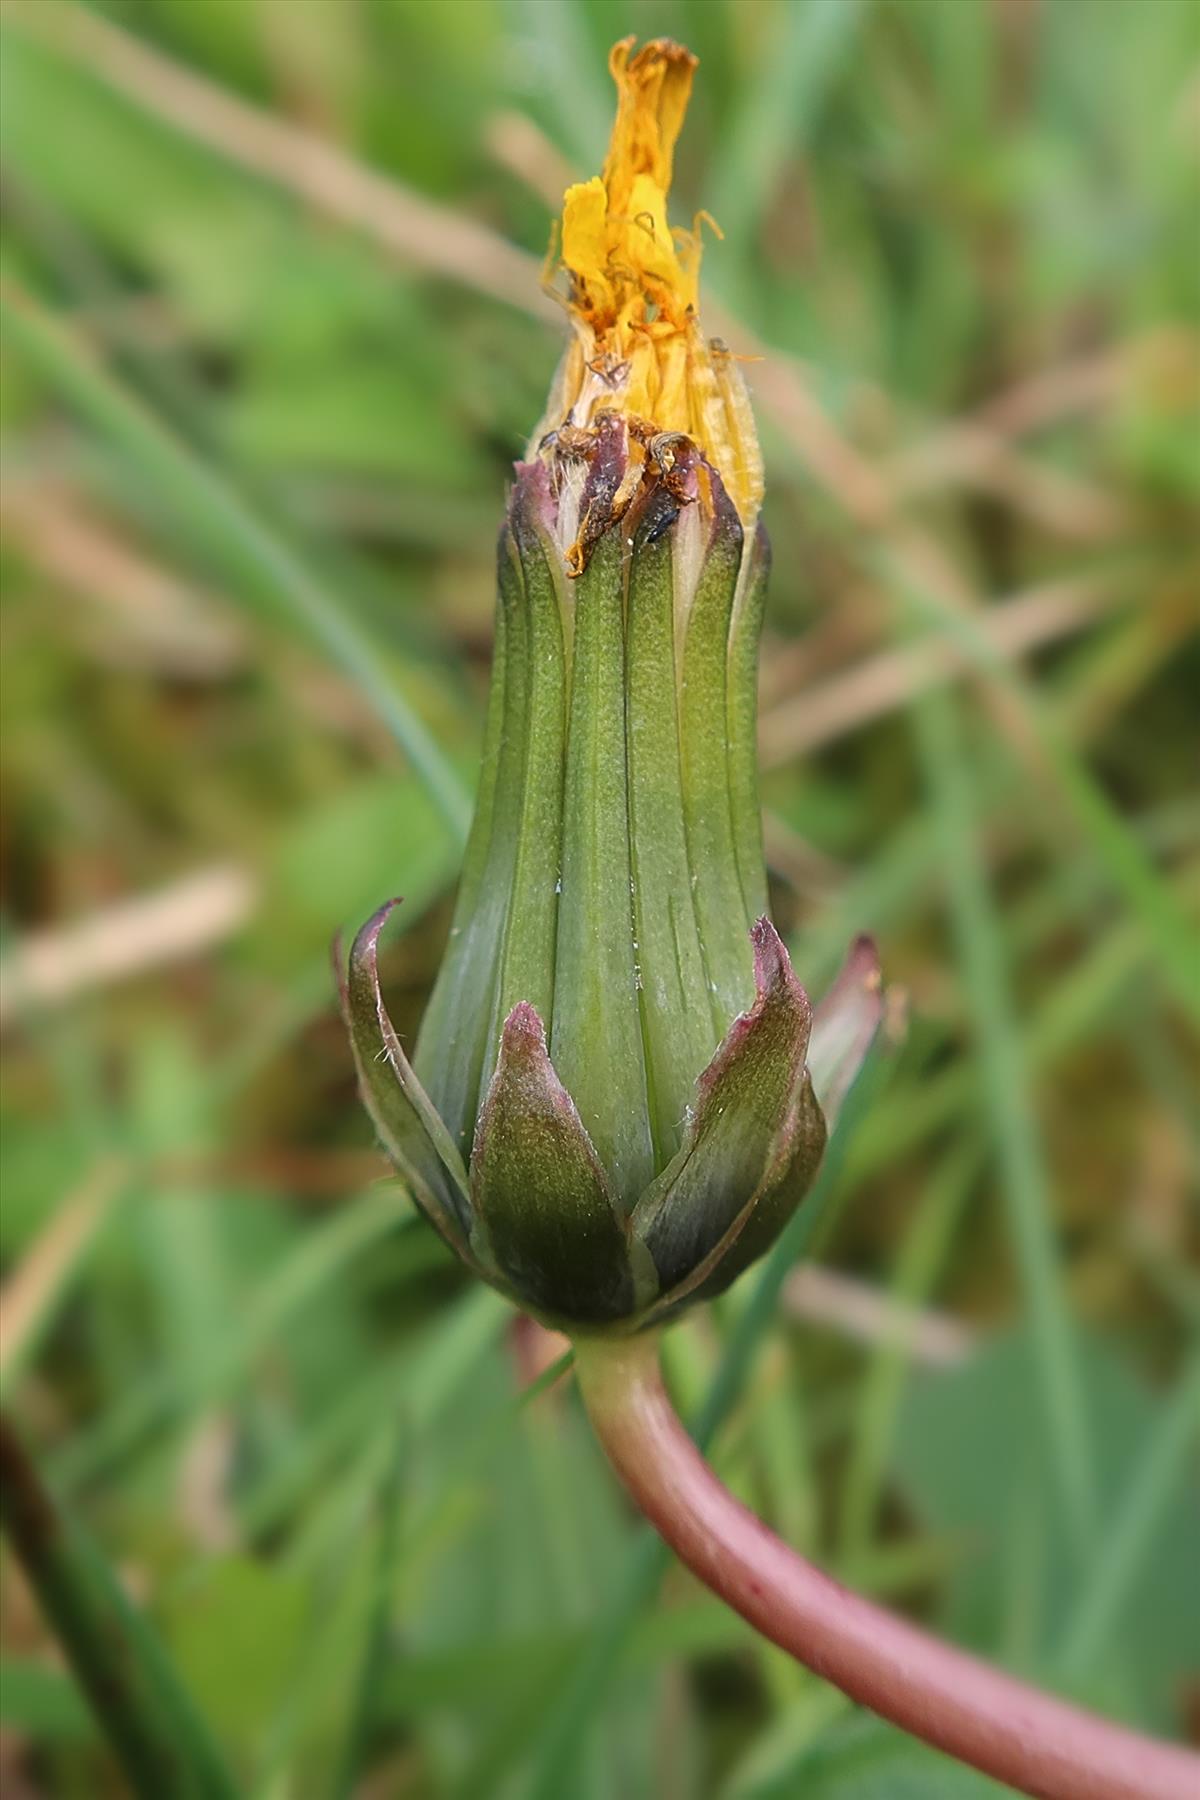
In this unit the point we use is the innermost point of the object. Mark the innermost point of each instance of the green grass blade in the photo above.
(1114, 843)
(136, 1695)
(773, 123)
(321, 1257)
(921, 1256)
(369, 1690)
(1005, 1080)
(1130, 1535)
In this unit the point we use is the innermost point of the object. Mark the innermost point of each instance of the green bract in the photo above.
(620, 1092)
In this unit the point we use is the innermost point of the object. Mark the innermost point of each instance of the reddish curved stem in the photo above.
(1020, 1735)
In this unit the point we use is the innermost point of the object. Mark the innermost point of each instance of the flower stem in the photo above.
(1018, 1734)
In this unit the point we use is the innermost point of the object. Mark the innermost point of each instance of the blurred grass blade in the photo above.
(215, 515)
(1008, 1100)
(366, 1706)
(800, 58)
(33, 1291)
(39, 1700)
(919, 1261)
(319, 1259)
(1113, 1572)
(573, 77)
(411, 226)
(160, 1739)
(1169, 930)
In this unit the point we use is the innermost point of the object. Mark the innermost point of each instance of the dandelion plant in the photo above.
(621, 1092)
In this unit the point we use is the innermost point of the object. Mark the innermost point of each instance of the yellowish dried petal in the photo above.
(638, 347)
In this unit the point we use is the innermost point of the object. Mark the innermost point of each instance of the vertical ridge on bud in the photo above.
(703, 726)
(596, 1034)
(677, 1033)
(745, 632)
(531, 925)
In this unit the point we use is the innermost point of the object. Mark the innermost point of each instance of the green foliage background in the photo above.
(256, 440)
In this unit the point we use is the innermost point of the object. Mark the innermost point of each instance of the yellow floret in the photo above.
(633, 287)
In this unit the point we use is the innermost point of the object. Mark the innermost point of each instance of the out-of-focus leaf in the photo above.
(957, 1428)
(238, 1636)
(42, 1701)
(863, 1759)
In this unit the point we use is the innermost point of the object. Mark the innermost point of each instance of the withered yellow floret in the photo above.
(633, 286)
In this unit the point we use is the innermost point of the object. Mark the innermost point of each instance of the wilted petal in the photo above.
(539, 1191)
(844, 1026)
(408, 1124)
(746, 1129)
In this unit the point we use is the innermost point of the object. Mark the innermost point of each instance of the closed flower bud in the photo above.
(620, 1092)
